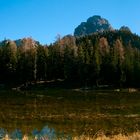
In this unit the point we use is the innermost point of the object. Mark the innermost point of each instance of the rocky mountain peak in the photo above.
(93, 24)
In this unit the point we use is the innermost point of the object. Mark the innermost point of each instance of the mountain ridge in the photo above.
(93, 24)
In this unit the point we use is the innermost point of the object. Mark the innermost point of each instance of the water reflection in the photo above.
(73, 112)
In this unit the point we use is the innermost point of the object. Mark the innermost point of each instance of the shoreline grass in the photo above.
(133, 136)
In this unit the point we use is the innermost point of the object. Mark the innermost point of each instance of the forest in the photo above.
(109, 58)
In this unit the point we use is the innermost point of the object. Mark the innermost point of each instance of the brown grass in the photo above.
(134, 136)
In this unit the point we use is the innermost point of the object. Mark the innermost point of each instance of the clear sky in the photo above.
(43, 20)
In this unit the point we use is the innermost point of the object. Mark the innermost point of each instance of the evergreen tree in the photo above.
(8, 61)
(42, 58)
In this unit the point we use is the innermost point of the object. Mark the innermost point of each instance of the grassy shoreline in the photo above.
(133, 136)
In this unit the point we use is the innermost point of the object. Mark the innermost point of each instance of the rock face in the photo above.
(93, 24)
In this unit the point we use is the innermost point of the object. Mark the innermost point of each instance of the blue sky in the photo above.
(43, 20)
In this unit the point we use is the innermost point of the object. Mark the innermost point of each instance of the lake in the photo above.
(71, 111)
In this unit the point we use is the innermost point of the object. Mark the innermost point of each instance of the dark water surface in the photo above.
(70, 111)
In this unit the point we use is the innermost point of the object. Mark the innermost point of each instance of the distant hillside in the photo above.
(92, 25)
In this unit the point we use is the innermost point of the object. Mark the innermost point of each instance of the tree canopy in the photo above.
(107, 58)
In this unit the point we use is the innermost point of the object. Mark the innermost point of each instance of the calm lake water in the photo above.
(72, 112)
